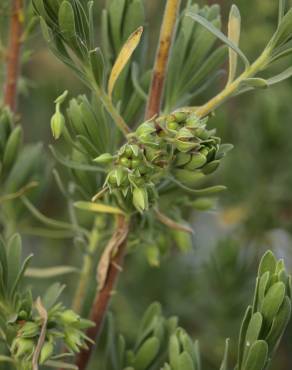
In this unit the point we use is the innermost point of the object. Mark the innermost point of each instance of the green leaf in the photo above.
(256, 83)
(146, 353)
(253, 331)
(13, 258)
(61, 365)
(234, 25)
(3, 262)
(224, 364)
(97, 66)
(280, 77)
(242, 335)
(282, 5)
(267, 263)
(279, 324)
(216, 32)
(185, 362)
(20, 275)
(257, 357)
(283, 32)
(174, 351)
(116, 12)
(12, 148)
(263, 285)
(52, 294)
(98, 207)
(68, 26)
(72, 164)
(49, 272)
(273, 301)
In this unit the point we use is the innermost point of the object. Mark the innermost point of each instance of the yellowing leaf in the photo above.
(233, 35)
(98, 207)
(123, 58)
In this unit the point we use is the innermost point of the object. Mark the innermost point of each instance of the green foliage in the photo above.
(27, 327)
(153, 176)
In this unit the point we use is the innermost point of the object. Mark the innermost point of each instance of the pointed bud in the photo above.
(46, 352)
(104, 158)
(57, 124)
(69, 317)
(29, 330)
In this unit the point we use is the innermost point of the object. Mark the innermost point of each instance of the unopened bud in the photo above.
(46, 352)
(57, 124)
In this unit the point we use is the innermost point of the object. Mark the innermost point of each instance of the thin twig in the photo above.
(162, 56)
(44, 320)
(13, 57)
(117, 246)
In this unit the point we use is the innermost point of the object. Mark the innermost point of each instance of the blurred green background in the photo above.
(210, 287)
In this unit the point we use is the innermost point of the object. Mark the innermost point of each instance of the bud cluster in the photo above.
(175, 146)
(63, 325)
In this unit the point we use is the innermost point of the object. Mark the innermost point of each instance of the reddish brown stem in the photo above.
(13, 57)
(117, 245)
(162, 56)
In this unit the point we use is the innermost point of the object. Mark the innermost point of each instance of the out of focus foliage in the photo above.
(202, 288)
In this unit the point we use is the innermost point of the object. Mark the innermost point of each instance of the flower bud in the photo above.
(46, 352)
(140, 199)
(182, 159)
(180, 116)
(29, 330)
(57, 124)
(69, 317)
(125, 162)
(197, 161)
(22, 347)
(104, 158)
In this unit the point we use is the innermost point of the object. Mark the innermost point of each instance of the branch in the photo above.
(162, 56)
(110, 265)
(13, 57)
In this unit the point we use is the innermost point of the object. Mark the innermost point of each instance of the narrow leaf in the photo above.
(123, 57)
(280, 77)
(234, 25)
(98, 207)
(282, 4)
(216, 32)
(49, 272)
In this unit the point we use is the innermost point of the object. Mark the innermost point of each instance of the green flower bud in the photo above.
(112, 178)
(104, 158)
(172, 125)
(135, 163)
(125, 162)
(73, 339)
(22, 347)
(189, 178)
(146, 128)
(57, 124)
(210, 167)
(140, 199)
(69, 317)
(29, 330)
(182, 159)
(192, 121)
(180, 116)
(127, 151)
(46, 352)
(197, 161)
(202, 133)
(185, 146)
